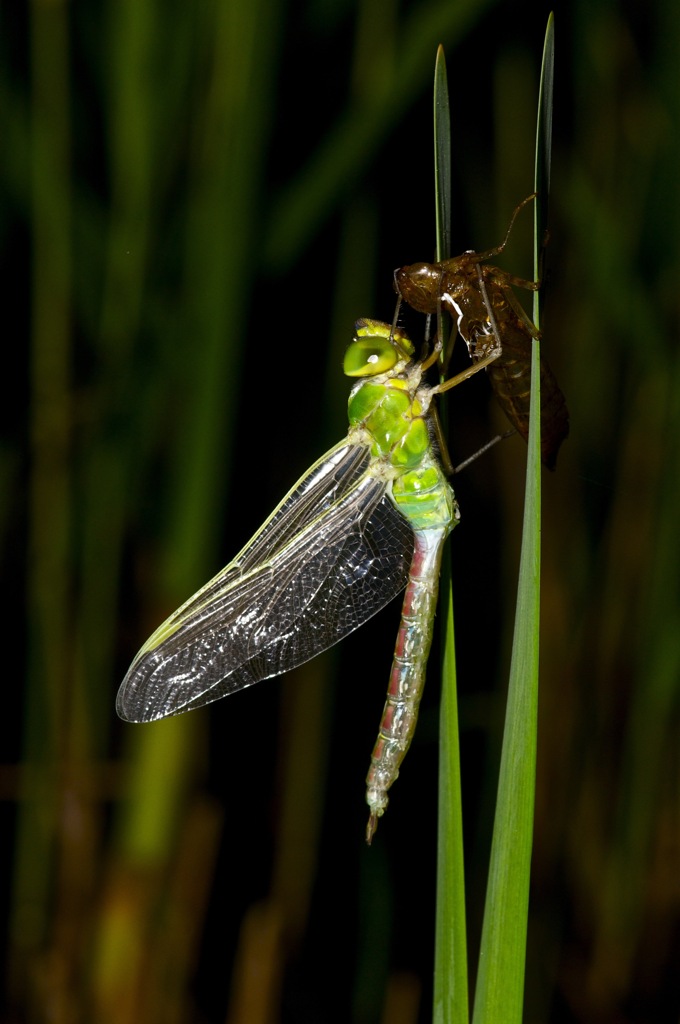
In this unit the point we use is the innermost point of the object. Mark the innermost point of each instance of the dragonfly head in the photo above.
(376, 348)
(419, 285)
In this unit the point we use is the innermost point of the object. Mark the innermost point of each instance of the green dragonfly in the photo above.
(368, 519)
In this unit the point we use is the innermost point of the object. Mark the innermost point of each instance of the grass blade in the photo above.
(500, 986)
(450, 976)
(543, 159)
(442, 158)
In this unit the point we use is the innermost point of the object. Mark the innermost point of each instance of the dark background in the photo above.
(197, 202)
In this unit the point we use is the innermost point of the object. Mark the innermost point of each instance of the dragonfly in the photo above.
(367, 520)
(496, 329)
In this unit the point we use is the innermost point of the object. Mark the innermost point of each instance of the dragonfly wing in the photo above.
(322, 485)
(285, 598)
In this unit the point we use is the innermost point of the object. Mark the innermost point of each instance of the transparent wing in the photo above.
(333, 553)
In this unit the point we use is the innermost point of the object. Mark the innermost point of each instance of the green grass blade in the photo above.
(543, 159)
(450, 976)
(442, 157)
(500, 983)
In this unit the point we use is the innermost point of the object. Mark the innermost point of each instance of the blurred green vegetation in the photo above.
(197, 202)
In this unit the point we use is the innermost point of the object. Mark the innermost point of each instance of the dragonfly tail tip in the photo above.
(371, 827)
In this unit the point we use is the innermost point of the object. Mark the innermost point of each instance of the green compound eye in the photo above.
(368, 356)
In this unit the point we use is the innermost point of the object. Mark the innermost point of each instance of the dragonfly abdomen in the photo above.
(510, 377)
(407, 677)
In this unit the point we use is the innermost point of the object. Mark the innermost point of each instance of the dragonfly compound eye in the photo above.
(368, 356)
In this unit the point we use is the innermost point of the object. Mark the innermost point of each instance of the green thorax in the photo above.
(389, 411)
(394, 419)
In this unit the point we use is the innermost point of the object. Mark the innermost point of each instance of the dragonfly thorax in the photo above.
(393, 412)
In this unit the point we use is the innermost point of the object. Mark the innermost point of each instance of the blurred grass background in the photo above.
(197, 201)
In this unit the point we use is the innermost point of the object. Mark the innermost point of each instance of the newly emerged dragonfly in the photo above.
(495, 328)
(368, 519)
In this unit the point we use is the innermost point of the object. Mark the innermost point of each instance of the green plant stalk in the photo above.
(500, 982)
(499, 996)
(450, 974)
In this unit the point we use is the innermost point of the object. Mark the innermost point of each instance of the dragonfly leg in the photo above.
(504, 278)
(396, 315)
(453, 382)
(488, 253)
(429, 360)
(498, 347)
(444, 454)
(482, 451)
(504, 281)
